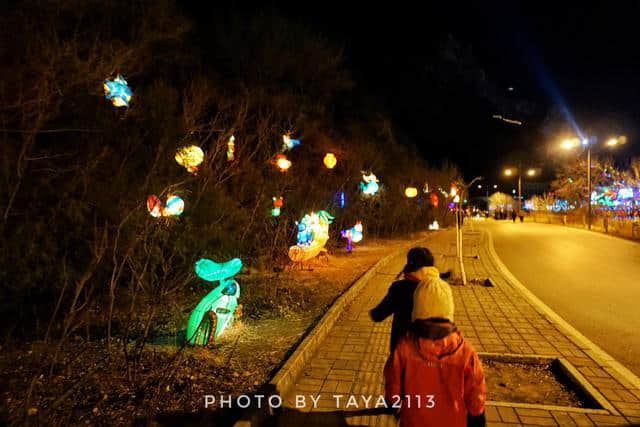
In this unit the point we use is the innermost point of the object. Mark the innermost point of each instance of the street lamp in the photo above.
(510, 171)
(568, 144)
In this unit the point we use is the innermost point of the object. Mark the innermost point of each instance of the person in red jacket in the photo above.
(434, 375)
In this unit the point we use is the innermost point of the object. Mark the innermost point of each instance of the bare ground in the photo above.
(166, 384)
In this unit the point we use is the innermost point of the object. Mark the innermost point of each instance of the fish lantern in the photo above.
(289, 143)
(411, 192)
(174, 206)
(282, 162)
(434, 226)
(330, 160)
(218, 309)
(369, 184)
(433, 198)
(190, 157)
(231, 148)
(117, 91)
(277, 204)
(154, 206)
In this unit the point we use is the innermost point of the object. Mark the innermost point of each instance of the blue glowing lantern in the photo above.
(174, 206)
(117, 91)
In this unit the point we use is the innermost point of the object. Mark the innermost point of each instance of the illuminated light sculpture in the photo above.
(190, 157)
(330, 160)
(353, 234)
(231, 148)
(219, 307)
(277, 204)
(341, 199)
(433, 198)
(434, 226)
(369, 184)
(117, 91)
(289, 143)
(411, 192)
(154, 206)
(313, 233)
(282, 162)
(174, 206)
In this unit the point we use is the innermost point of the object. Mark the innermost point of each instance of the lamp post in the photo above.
(510, 171)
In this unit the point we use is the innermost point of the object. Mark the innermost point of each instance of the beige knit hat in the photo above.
(432, 298)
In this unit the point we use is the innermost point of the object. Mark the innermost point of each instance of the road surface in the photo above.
(589, 279)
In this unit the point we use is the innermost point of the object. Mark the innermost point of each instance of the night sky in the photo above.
(443, 72)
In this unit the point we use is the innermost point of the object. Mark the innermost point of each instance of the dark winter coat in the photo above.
(399, 302)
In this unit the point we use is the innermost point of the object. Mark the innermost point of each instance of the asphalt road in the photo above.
(591, 280)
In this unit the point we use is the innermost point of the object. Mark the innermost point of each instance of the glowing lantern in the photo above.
(282, 162)
(411, 192)
(277, 204)
(456, 199)
(154, 206)
(369, 184)
(434, 226)
(218, 308)
(289, 143)
(117, 91)
(330, 160)
(190, 157)
(341, 199)
(353, 234)
(313, 233)
(174, 206)
(231, 148)
(454, 190)
(433, 198)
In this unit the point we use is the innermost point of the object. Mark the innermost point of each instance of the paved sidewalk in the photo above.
(497, 319)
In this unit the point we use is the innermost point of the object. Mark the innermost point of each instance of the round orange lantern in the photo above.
(330, 160)
(411, 192)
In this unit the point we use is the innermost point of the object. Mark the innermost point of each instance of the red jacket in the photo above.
(440, 367)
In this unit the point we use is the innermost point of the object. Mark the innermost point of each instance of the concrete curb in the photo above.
(286, 376)
(612, 366)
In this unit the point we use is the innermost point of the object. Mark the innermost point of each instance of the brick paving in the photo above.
(497, 319)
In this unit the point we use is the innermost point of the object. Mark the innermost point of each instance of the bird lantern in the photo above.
(282, 162)
(289, 143)
(330, 160)
(411, 192)
(190, 157)
(433, 198)
(369, 184)
(277, 204)
(231, 148)
(117, 91)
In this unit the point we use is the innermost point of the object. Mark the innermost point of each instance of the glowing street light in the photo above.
(571, 143)
(511, 171)
(495, 185)
(479, 186)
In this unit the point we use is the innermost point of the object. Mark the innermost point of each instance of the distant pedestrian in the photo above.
(434, 361)
(521, 216)
(513, 216)
(399, 299)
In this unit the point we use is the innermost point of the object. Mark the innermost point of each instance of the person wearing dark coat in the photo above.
(399, 299)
